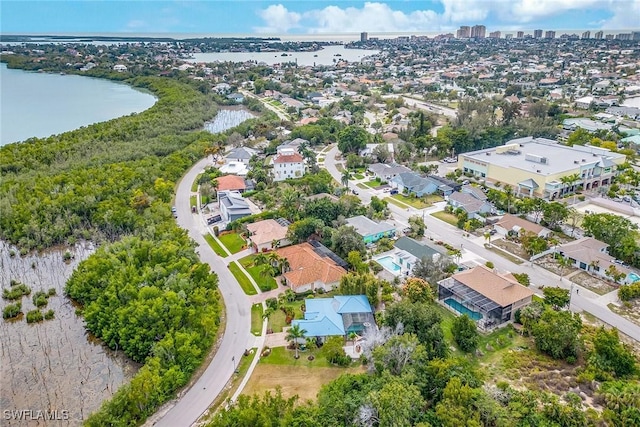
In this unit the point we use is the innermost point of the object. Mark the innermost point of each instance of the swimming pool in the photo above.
(634, 277)
(462, 309)
(387, 262)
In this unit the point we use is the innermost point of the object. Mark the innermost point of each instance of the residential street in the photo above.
(237, 334)
(473, 249)
(433, 108)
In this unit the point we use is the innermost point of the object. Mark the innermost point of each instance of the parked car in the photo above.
(355, 192)
(394, 191)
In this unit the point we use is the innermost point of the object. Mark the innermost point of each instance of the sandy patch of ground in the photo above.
(294, 380)
(548, 263)
(511, 247)
(592, 283)
(629, 310)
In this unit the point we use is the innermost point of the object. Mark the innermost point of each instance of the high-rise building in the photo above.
(609, 37)
(508, 36)
(495, 35)
(635, 36)
(537, 34)
(520, 34)
(586, 35)
(598, 35)
(550, 35)
(364, 37)
(478, 31)
(623, 36)
(464, 32)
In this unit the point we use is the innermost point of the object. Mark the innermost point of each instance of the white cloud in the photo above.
(278, 19)
(376, 17)
(531, 10)
(626, 16)
(380, 17)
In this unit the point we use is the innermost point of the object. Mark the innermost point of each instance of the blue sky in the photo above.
(311, 17)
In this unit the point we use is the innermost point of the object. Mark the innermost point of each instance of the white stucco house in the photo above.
(288, 164)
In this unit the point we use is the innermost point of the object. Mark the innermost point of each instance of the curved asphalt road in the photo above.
(237, 334)
(439, 230)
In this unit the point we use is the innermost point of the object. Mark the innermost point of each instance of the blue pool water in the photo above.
(634, 277)
(462, 309)
(387, 262)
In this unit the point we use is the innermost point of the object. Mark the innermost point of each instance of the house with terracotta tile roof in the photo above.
(287, 165)
(311, 267)
(489, 298)
(231, 183)
(263, 234)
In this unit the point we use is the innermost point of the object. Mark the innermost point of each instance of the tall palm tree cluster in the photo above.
(273, 264)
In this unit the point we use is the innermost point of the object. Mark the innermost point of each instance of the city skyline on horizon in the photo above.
(307, 18)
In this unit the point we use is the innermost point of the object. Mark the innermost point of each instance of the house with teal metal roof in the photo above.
(337, 316)
(369, 230)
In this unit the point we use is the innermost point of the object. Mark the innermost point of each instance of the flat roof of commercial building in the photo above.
(542, 156)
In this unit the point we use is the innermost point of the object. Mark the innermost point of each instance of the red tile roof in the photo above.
(289, 158)
(306, 266)
(231, 182)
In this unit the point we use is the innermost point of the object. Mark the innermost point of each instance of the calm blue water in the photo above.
(327, 56)
(41, 104)
(387, 262)
(634, 277)
(462, 309)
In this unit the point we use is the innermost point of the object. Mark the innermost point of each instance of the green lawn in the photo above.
(256, 319)
(446, 217)
(264, 283)
(396, 202)
(357, 176)
(194, 185)
(233, 242)
(373, 184)
(430, 199)
(219, 250)
(411, 201)
(284, 356)
(193, 201)
(363, 186)
(242, 279)
(277, 320)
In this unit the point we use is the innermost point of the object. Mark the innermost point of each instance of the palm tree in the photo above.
(268, 271)
(275, 244)
(260, 259)
(294, 334)
(508, 192)
(564, 262)
(352, 337)
(284, 265)
(345, 178)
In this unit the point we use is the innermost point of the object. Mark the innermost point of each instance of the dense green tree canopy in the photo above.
(352, 139)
